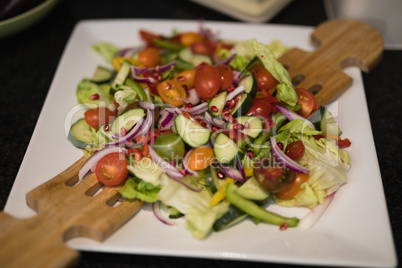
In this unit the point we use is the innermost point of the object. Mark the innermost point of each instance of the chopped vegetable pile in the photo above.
(215, 131)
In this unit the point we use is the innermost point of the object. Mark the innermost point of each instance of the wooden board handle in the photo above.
(341, 43)
(65, 210)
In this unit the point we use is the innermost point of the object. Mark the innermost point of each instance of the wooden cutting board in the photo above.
(67, 209)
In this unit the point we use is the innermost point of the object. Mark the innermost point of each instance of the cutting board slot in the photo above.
(297, 79)
(95, 189)
(315, 89)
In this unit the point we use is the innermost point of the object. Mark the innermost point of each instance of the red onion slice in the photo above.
(91, 161)
(167, 118)
(286, 160)
(196, 109)
(163, 68)
(158, 213)
(214, 121)
(147, 104)
(293, 116)
(123, 139)
(232, 173)
(142, 79)
(235, 92)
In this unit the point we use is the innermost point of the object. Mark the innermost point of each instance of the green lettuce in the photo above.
(194, 205)
(251, 48)
(106, 50)
(125, 97)
(328, 167)
(136, 188)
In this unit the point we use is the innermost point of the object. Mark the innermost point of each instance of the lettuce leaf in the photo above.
(136, 188)
(195, 206)
(124, 98)
(106, 50)
(285, 90)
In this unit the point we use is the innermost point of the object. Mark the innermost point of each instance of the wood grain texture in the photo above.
(68, 209)
(340, 44)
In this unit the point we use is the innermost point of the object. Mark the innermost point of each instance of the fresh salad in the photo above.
(212, 131)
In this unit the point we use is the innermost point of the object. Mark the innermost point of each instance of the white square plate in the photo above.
(354, 231)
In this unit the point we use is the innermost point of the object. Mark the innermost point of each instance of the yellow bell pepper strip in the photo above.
(221, 193)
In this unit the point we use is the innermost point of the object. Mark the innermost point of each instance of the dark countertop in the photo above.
(28, 62)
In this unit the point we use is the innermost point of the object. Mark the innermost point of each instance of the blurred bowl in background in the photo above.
(22, 21)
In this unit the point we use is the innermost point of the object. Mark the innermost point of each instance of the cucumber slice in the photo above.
(329, 125)
(80, 134)
(175, 213)
(251, 189)
(242, 106)
(249, 83)
(219, 102)
(127, 120)
(260, 142)
(213, 180)
(187, 54)
(191, 132)
(226, 150)
(254, 125)
(90, 93)
(248, 67)
(231, 217)
(102, 75)
(121, 75)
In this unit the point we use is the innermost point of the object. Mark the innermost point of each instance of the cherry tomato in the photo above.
(264, 79)
(186, 78)
(343, 143)
(226, 75)
(260, 108)
(98, 116)
(189, 38)
(135, 152)
(200, 158)
(308, 102)
(111, 170)
(295, 150)
(169, 146)
(148, 37)
(271, 175)
(294, 189)
(171, 92)
(207, 81)
(149, 57)
(202, 48)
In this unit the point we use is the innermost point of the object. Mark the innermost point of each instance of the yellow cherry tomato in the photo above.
(172, 92)
(200, 158)
(149, 57)
(189, 38)
(186, 78)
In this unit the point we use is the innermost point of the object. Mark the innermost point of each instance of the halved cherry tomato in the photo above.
(226, 75)
(201, 158)
(260, 108)
(149, 57)
(170, 91)
(207, 81)
(111, 170)
(308, 102)
(98, 116)
(185, 78)
(264, 79)
(135, 152)
(293, 189)
(148, 37)
(295, 150)
(189, 38)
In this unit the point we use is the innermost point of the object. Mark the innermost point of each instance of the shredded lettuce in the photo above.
(200, 215)
(147, 170)
(106, 50)
(124, 98)
(136, 188)
(285, 90)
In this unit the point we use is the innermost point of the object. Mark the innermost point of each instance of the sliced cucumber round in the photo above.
(252, 125)
(187, 54)
(242, 106)
(226, 150)
(192, 133)
(80, 134)
(249, 83)
(102, 75)
(127, 120)
(90, 93)
(217, 103)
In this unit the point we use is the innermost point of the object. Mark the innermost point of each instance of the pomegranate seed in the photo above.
(106, 128)
(172, 162)
(283, 227)
(123, 131)
(168, 86)
(94, 97)
(234, 122)
(220, 174)
(188, 105)
(231, 118)
(232, 103)
(280, 145)
(238, 127)
(250, 154)
(183, 172)
(214, 128)
(181, 78)
(228, 104)
(157, 68)
(230, 88)
(214, 109)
